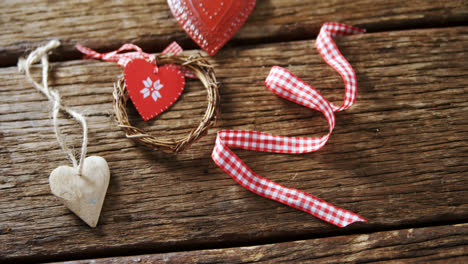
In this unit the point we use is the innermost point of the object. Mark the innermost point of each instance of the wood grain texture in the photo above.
(397, 157)
(106, 25)
(442, 244)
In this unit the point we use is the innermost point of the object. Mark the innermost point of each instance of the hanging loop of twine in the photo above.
(24, 65)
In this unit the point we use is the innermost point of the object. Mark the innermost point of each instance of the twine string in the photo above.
(24, 65)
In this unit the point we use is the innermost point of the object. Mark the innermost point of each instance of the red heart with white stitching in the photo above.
(152, 93)
(211, 23)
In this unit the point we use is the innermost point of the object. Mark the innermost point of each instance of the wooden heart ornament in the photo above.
(83, 194)
(152, 92)
(211, 23)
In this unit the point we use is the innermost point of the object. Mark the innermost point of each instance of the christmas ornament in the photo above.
(82, 193)
(285, 84)
(81, 188)
(143, 78)
(153, 87)
(151, 92)
(211, 23)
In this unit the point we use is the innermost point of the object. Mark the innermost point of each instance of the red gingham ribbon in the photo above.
(285, 84)
(123, 58)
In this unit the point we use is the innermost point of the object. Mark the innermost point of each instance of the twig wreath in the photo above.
(205, 73)
(194, 66)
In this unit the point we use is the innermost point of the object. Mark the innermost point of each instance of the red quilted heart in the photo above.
(152, 93)
(211, 23)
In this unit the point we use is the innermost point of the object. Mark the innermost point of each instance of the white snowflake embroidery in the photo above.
(151, 88)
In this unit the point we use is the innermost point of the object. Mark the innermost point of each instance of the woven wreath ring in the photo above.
(205, 73)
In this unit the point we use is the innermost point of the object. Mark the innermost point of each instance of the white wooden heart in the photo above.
(83, 194)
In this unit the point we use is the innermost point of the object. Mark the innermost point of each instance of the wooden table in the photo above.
(398, 157)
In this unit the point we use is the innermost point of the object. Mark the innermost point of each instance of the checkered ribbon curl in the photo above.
(123, 59)
(290, 87)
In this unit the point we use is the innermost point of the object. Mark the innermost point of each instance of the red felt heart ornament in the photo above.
(152, 93)
(211, 23)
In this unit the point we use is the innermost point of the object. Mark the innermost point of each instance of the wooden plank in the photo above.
(441, 244)
(398, 157)
(108, 24)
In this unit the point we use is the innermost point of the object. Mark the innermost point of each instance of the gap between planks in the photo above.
(430, 244)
